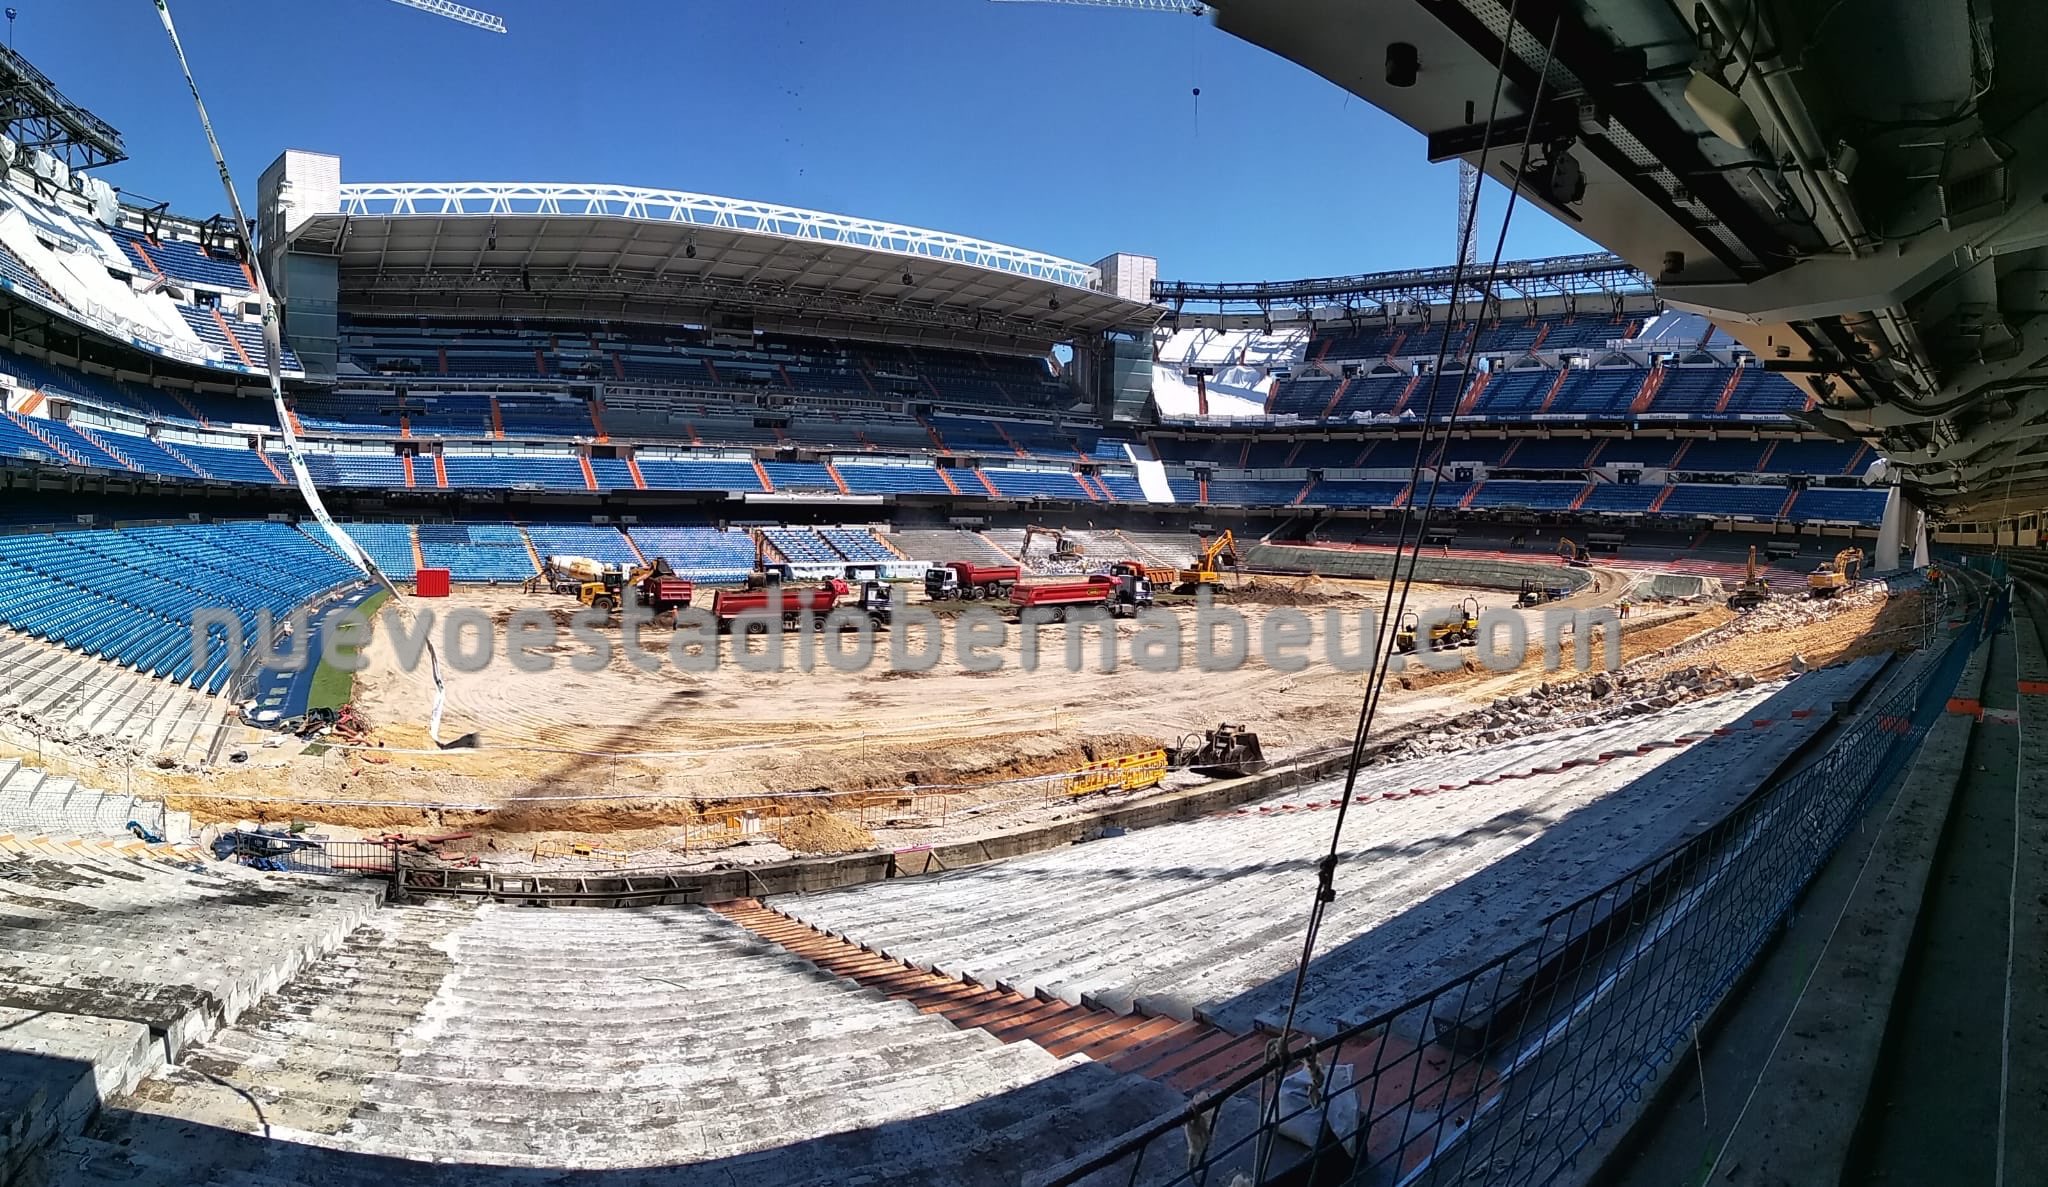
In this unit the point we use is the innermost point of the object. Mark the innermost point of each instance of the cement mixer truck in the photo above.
(568, 574)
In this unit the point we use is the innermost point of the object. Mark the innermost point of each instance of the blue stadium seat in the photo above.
(599, 542)
(483, 552)
(1743, 502)
(699, 553)
(128, 596)
(1856, 505)
(1621, 497)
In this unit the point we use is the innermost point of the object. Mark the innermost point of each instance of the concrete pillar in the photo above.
(1889, 530)
(1920, 557)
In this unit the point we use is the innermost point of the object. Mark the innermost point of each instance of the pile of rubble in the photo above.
(1790, 613)
(1565, 704)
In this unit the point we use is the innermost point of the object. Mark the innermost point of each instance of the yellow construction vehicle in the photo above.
(1573, 555)
(1442, 635)
(1754, 590)
(654, 585)
(1204, 573)
(1063, 549)
(1837, 575)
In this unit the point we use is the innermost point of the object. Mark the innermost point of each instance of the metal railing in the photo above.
(1507, 1074)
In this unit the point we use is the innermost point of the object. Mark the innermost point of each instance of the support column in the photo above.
(1889, 530)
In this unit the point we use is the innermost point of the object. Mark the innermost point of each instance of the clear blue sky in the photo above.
(1063, 129)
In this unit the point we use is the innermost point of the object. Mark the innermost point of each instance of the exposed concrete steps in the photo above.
(660, 1046)
(1448, 861)
(1187, 1056)
(57, 693)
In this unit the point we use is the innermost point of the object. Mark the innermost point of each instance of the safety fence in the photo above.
(1507, 1074)
(289, 853)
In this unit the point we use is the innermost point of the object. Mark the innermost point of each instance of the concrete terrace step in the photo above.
(1127, 1043)
(1457, 873)
(665, 1038)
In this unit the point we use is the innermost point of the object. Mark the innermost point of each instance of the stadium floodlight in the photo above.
(457, 12)
(1186, 6)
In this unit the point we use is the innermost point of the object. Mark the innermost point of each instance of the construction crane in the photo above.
(1181, 6)
(458, 12)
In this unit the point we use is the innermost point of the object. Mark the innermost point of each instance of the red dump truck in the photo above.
(1122, 596)
(817, 601)
(965, 579)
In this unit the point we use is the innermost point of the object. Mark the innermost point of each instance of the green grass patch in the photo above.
(333, 687)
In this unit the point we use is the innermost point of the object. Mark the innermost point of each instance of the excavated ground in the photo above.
(667, 766)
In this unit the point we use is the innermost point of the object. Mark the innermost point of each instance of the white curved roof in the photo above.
(707, 210)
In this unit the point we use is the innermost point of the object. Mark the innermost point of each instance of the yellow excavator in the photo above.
(1063, 549)
(1837, 575)
(1217, 554)
(1754, 590)
(1573, 555)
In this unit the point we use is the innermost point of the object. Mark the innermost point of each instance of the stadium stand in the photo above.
(390, 545)
(599, 542)
(128, 596)
(704, 554)
(476, 552)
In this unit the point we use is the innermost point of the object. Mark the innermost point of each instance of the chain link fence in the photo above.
(1507, 1074)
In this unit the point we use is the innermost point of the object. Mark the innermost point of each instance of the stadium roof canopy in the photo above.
(578, 251)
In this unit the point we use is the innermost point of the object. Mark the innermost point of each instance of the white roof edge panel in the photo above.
(482, 199)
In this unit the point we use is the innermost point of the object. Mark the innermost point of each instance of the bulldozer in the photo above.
(1217, 554)
(1226, 752)
(1063, 549)
(1837, 575)
(1754, 590)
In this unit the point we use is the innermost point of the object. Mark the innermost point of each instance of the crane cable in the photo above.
(273, 343)
(1369, 707)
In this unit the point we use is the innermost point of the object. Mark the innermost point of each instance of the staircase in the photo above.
(1472, 393)
(1785, 508)
(1086, 489)
(440, 472)
(1202, 486)
(1467, 500)
(761, 475)
(1336, 398)
(1302, 496)
(411, 482)
(597, 420)
(945, 476)
(589, 475)
(1657, 504)
(1648, 392)
(1728, 389)
(1763, 462)
(1584, 493)
(1680, 455)
(1859, 460)
(986, 485)
(832, 472)
(1407, 394)
(497, 420)
(272, 467)
(932, 430)
(633, 468)
(1556, 386)
(419, 555)
(33, 801)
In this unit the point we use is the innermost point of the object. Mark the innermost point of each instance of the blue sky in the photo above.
(1064, 129)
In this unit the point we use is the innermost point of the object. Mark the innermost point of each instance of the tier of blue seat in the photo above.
(1840, 504)
(599, 542)
(498, 472)
(1035, 483)
(857, 544)
(1606, 392)
(878, 479)
(489, 552)
(180, 260)
(389, 545)
(702, 554)
(129, 595)
(801, 546)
